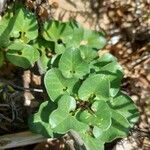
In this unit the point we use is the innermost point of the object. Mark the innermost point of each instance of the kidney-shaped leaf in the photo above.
(39, 122)
(24, 57)
(70, 122)
(100, 115)
(62, 121)
(125, 106)
(93, 39)
(6, 26)
(97, 85)
(71, 64)
(107, 62)
(57, 85)
(91, 142)
(87, 53)
(58, 116)
(62, 33)
(118, 129)
(65, 104)
(25, 26)
(57, 31)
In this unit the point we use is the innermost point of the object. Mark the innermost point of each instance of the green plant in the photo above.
(83, 86)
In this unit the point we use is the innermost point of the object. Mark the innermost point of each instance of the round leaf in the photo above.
(57, 85)
(118, 129)
(39, 122)
(72, 65)
(69, 122)
(24, 57)
(54, 30)
(93, 39)
(67, 103)
(92, 143)
(6, 26)
(25, 25)
(125, 106)
(102, 115)
(84, 116)
(57, 117)
(87, 53)
(97, 85)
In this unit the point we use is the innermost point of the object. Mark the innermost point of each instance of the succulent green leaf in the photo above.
(6, 26)
(115, 70)
(45, 48)
(124, 115)
(91, 142)
(67, 103)
(59, 48)
(67, 123)
(57, 117)
(125, 106)
(61, 119)
(60, 33)
(39, 122)
(107, 62)
(76, 39)
(25, 26)
(107, 57)
(97, 85)
(43, 62)
(52, 30)
(118, 129)
(16, 45)
(84, 116)
(111, 69)
(24, 57)
(93, 39)
(100, 115)
(87, 53)
(72, 65)
(57, 85)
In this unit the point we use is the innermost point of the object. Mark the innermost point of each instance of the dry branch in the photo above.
(20, 139)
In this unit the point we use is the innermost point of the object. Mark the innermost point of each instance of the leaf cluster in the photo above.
(83, 86)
